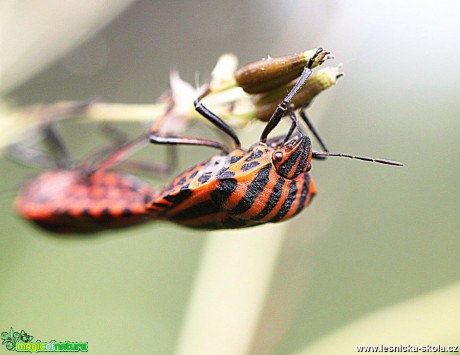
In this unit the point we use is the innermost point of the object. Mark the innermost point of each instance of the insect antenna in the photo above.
(322, 155)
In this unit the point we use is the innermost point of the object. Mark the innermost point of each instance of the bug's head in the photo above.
(293, 157)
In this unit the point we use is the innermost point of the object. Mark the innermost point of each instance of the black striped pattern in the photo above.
(241, 190)
(286, 206)
(273, 200)
(253, 190)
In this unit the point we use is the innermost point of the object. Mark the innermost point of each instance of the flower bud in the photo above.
(271, 73)
(318, 82)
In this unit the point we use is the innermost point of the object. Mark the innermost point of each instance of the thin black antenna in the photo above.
(322, 155)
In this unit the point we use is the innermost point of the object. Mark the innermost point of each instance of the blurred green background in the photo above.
(374, 237)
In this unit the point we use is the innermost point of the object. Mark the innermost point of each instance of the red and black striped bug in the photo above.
(82, 197)
(270, 182)
(240, 188)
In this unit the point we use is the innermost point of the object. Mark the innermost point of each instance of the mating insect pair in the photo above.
(237, 188)
(270, 182)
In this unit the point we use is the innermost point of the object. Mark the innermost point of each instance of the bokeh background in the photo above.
(375, 258)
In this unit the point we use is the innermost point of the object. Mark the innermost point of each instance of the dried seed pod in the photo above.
(271, 73)
(318, 82)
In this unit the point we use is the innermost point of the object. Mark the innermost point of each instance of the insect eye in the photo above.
(309, 167)
(278, 156)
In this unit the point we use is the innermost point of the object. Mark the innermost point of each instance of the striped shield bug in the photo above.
(270, 182)
(240, 188)
(84, 197)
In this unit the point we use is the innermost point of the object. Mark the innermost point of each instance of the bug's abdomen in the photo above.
(192, 208)
(190, 199)
(64, 201)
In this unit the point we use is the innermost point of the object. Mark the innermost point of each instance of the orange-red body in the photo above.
(69, 201)
(268, 183)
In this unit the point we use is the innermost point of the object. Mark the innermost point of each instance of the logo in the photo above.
(22, 342)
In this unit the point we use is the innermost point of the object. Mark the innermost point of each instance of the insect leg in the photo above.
(155, 137)
(282, 107)
(312, 129)
(57, 145)
(28, 156)
(119, 154)
(121, 147)
(156, 169)
(216, 121)
(23, 152)
(293, 126)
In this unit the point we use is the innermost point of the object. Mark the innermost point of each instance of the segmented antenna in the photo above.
(322, 155)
